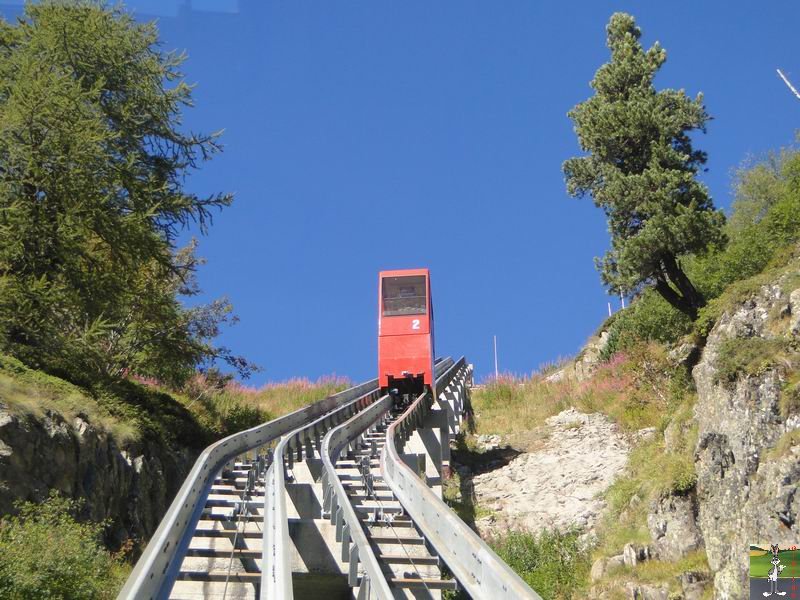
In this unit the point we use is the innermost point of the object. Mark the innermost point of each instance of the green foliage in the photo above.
(648, 319)
(765, 223)
(46, 553)
(553, 563)
(641, 169)
(785, 443)
(790, 396)
(750, 356)
(92, 199)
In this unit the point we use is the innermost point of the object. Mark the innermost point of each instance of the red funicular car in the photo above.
(405, 331)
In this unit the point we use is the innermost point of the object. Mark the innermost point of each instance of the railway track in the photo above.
(345, 490)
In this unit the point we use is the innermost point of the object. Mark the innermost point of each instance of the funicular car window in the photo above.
(404, 296)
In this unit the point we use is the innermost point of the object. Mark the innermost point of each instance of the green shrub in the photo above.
(46, 553)
(790, 396)
(649, 318)
(553, 563)
(749, 356)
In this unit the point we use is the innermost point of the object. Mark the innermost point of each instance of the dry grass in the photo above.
(280, 398)
(635, 389)
(28, 392)
(198, 415)
(654, 572)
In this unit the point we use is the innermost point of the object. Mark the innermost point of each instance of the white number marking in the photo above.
(415, 324)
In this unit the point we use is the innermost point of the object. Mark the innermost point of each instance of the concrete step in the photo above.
(228, 533)
(220, 575)
(207, 515)
(419, 583)
(398, 540)
(382, 497)
(224, 552)
(405, 559)
(217, 502)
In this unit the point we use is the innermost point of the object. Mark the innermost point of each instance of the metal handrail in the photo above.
(336, 504)
(276, 566)
(338, 508)
(476, 567)
(156, 570)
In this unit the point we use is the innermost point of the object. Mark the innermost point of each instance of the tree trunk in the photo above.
(684, 296)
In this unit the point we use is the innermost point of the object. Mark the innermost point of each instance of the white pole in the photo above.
(786, 81)
(496, 374)
(609, 309)
(621, 297)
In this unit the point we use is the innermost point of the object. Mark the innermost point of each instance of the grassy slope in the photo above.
(131, 410)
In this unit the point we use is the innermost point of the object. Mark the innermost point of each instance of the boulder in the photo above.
(672, 522)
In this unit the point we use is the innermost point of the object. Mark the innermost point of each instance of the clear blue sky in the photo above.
(364, 135)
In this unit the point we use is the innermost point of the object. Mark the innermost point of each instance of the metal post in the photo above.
(609, 309)
(496, 374)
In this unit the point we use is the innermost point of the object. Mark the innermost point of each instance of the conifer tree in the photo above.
(92, 166)
(640, 167)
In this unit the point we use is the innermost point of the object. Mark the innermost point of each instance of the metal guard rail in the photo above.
(337, 507)
(156, 570)
(476, 567)
(276, 566)
(336, 504)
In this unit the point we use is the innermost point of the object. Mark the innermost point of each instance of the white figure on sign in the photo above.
(777, 567)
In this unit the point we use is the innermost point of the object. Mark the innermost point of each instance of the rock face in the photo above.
(745, 494)
(672, 522)
(586, 364)
(131, 486)
(559, 485)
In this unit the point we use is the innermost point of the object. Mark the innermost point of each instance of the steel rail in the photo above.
(156, 570)
(337, 506)
(276, 565)
(474, 565)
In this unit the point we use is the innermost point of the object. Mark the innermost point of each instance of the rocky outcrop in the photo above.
(746, 494)
(672, 522)
(132, 486)
(586, 362)
(559, 485)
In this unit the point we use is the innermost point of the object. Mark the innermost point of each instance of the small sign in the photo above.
(774, 571)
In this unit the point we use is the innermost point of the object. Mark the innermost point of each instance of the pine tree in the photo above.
(641, 169)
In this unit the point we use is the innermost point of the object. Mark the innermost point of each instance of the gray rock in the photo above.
(682, 353)
(646, 434)
(603, 566)
(598, 570)
(672, 522)
(587, 362)
(794, 312)
(693, 585)
(741, 496)
(646, 592)
(633, 554)
(560, 485)
(132, 487)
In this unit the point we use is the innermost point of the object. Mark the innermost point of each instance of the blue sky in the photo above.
(366, 135)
